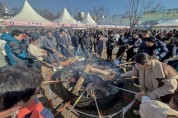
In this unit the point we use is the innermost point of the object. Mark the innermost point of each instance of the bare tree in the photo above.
(58, 14)
(158, 6)
(15, 10)
(132, 11)
(46, 14)
(150, 5)
(135, 8)
(3, 9)
(99, 12)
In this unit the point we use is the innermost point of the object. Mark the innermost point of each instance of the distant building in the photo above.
(156, 17)
(120, 21)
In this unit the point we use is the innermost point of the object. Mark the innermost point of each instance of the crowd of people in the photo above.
(154, 52)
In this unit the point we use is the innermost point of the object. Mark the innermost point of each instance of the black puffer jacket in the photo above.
(159, 49)
(110, 43)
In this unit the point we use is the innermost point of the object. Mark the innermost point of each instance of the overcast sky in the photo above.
(115, 6)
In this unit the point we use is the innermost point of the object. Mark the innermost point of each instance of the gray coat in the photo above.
(86, 42)
(63, 41)
(49, 44)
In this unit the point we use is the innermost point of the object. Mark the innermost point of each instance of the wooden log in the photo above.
(75, 89)
(95, 70)
(45, 63)
(80, 81)
(49, 82)
(127, 63)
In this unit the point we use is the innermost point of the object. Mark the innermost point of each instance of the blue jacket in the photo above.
(13, 49)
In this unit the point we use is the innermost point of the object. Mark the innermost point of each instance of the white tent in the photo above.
(66, 18)
(167, 25)
(28, 16)
(88, 20)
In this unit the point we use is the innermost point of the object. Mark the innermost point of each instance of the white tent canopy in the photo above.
(169, 23)
(28, 14)
(66, 18)
(88, 20)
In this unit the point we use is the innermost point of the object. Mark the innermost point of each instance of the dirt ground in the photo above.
(56, 102)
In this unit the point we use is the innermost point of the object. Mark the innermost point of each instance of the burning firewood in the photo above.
(80, 81)
(96, 70)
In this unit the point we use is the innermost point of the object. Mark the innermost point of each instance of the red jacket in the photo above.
(35, 110)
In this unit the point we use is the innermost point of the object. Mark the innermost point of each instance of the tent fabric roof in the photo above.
(66, 18)
(169, 23)
(88, 20)
(29, 14)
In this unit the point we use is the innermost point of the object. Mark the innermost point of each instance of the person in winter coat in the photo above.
(133, 46)
(157, 80)
(146, 34)
(50, 46)
(42, 33)
(110, 45)
(91, 42)
(123, 42)
(75, 43)
(173, 61)
(86, 43)
(116, 36)
(36, 51)
(19, 95)
(156, 109)
(15, 50)
(100, 44)
(153, 47)
(63, 42)
(2, 60)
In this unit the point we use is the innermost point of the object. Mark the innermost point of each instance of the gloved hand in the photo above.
(31, 57)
